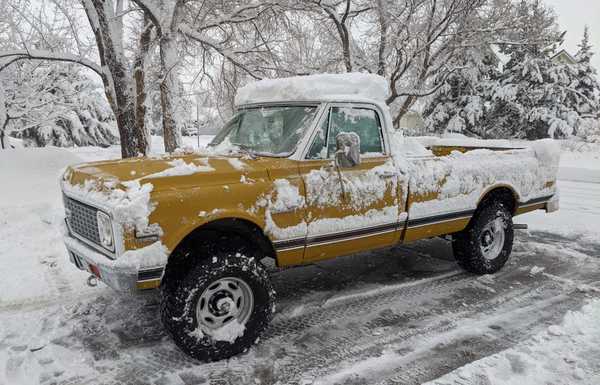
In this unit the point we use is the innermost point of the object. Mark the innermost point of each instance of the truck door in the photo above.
(351, 209)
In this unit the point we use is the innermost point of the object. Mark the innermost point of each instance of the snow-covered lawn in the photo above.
(32, 251)
(406, 315)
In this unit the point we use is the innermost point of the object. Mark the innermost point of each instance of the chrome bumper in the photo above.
(126, 280)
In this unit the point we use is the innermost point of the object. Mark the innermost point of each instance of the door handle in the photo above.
(388, 174)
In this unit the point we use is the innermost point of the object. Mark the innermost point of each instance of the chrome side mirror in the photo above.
(347, 152)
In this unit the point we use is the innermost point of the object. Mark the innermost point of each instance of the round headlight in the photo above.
(105, 230)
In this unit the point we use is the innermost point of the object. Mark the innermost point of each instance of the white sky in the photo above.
(573, 15)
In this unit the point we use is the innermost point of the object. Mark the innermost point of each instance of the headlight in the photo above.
(105, 230)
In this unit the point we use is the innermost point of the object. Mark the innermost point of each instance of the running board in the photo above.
(519, 226)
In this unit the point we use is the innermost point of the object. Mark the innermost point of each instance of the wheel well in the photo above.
(501, 194)
(220, 234)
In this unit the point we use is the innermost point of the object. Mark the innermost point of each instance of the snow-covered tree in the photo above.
(411, 43)
(56, 104)
(57, 32)
(587, 87)
(462, 104)
(534, 97)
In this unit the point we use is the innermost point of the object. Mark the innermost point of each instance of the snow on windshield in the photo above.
(274, 130)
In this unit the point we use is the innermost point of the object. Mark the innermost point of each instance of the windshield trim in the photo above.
(308, 131)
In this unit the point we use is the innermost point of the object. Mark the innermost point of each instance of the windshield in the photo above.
(267, 131)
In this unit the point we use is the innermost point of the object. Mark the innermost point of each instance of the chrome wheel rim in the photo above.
(226, 300)
(492, 238)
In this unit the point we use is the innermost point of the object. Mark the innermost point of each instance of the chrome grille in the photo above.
(82, 219)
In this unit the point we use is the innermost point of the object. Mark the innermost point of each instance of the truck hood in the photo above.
(163, 172)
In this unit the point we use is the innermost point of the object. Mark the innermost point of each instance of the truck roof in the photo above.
(348, 87)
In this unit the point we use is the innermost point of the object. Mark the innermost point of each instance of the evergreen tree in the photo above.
(535, 98)
(587, 86)
(462, 103)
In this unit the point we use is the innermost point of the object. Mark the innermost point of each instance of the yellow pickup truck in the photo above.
(307, 169)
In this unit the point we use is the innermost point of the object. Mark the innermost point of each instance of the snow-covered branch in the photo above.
(14, 55)
(208, 42)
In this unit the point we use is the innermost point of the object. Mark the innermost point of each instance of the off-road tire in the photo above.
(180, 297)
(467, 244)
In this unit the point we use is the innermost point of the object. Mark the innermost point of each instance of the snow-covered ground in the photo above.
(562, 354)
(400, 316)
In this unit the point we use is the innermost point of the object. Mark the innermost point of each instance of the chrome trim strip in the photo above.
(296, 243)
(440, 218)
(324, 242)
(289, 248)
(535, 201)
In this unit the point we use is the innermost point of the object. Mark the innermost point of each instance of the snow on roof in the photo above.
(564, 54)
(315, 88)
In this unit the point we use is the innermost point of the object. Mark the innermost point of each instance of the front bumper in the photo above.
(127, 280)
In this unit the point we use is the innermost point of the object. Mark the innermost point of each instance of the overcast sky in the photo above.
(573, 15)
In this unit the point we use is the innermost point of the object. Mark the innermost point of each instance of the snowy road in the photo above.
(402, 316)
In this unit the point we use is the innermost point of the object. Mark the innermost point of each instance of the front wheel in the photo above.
(485, 245)
(220, 307)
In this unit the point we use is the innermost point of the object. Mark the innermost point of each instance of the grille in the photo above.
(82, 220)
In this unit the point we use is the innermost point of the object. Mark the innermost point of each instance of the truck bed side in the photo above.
(445, 191)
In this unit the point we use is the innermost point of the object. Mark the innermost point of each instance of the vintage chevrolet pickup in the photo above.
(308, 168)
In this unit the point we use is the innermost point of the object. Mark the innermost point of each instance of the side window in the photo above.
(318, 150)
(362, 121)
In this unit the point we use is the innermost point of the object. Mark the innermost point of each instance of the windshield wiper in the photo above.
(246, 150)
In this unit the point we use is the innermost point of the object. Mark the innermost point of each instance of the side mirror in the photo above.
(347, 152)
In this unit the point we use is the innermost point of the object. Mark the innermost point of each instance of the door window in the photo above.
(318, 150)
(362, 121)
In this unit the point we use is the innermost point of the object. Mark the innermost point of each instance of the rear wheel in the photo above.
(219, 307)
(485, 245)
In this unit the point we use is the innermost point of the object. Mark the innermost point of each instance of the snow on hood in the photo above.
(314, 88)
(190, 170)
(126, 188)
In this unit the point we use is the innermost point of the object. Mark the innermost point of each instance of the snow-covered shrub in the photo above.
(57, 104)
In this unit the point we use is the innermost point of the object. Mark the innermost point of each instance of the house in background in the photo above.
(563, 57)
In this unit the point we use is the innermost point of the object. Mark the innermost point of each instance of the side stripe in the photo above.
(418, 222)
(352, 233)
(536, 201)
(290, 244)
(296, 243)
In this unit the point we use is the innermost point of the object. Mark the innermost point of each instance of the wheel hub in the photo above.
(488, 239)
(225, 300)
(492, 239)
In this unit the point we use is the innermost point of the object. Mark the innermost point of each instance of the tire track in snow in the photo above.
(327, 334)
(442, 358)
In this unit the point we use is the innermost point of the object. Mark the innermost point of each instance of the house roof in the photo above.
(567, 55)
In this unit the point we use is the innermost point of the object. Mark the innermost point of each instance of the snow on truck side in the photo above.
(309, 168)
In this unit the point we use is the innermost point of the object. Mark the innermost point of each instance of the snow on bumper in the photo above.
(118, 275)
